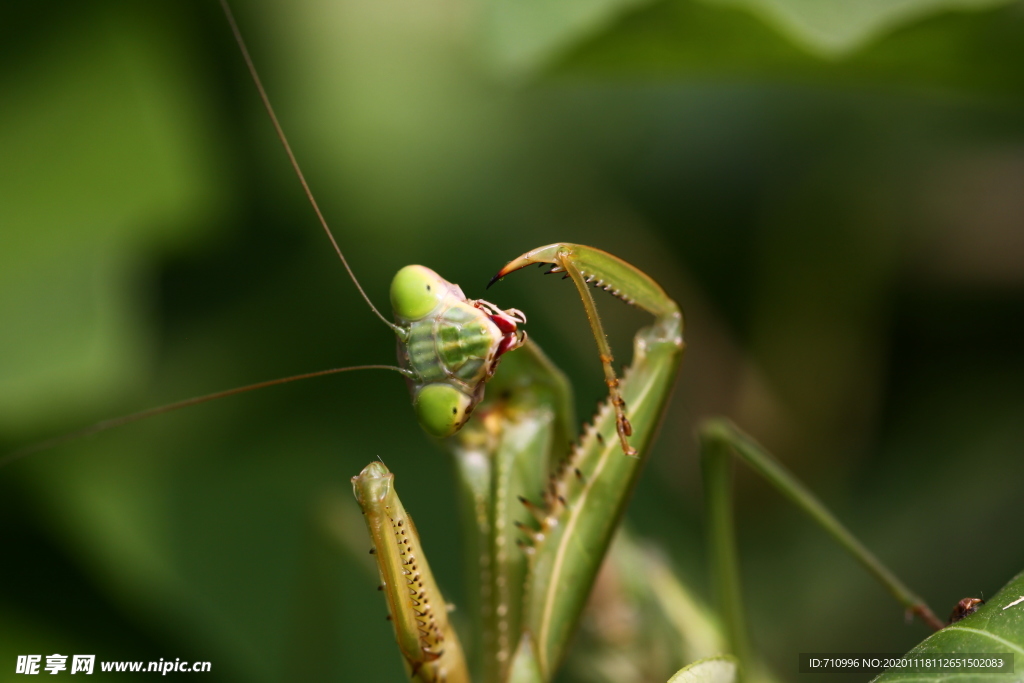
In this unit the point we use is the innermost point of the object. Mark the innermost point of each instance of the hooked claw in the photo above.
(542, 255)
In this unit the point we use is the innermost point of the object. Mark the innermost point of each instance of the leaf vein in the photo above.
(1016, 648)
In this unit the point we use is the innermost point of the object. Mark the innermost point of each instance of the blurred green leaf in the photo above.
(833, 28)
(997, 627)
(712, 670)
(972, 52)
(522, 34)
(104, 160)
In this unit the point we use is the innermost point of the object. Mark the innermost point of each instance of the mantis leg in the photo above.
(504, 454)
(642, 619)
(502, 457)
(589, 266)
(587, 492)
(416, 607)
(720, 440)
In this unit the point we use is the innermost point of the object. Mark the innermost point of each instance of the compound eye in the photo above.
(416, 291)
(441, 409)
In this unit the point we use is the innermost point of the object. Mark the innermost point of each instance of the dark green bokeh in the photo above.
(844, 229)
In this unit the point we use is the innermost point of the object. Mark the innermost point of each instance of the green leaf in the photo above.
(712, 670)
(837, 28)
(997, 627)
(522, 34)
(971, 53)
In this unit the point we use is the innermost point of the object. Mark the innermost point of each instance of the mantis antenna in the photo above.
(159, 410)
(104, 425)
(294, 162)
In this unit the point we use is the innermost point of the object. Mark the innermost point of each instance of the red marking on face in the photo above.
(504, 323)
(508, 342)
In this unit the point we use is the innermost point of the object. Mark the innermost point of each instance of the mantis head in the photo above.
(450, 344)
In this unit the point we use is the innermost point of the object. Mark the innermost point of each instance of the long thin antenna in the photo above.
(291, 157)
(159, 410)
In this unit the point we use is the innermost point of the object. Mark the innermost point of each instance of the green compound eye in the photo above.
(441, 409)
(416, 291)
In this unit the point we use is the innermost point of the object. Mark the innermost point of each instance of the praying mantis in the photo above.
(155, 522)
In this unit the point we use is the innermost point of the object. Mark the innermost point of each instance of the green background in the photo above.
(832, 191)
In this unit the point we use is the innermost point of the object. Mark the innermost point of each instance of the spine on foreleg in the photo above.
(416, 607)
(588, 494)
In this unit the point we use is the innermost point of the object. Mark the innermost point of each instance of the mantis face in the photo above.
(451, 344)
